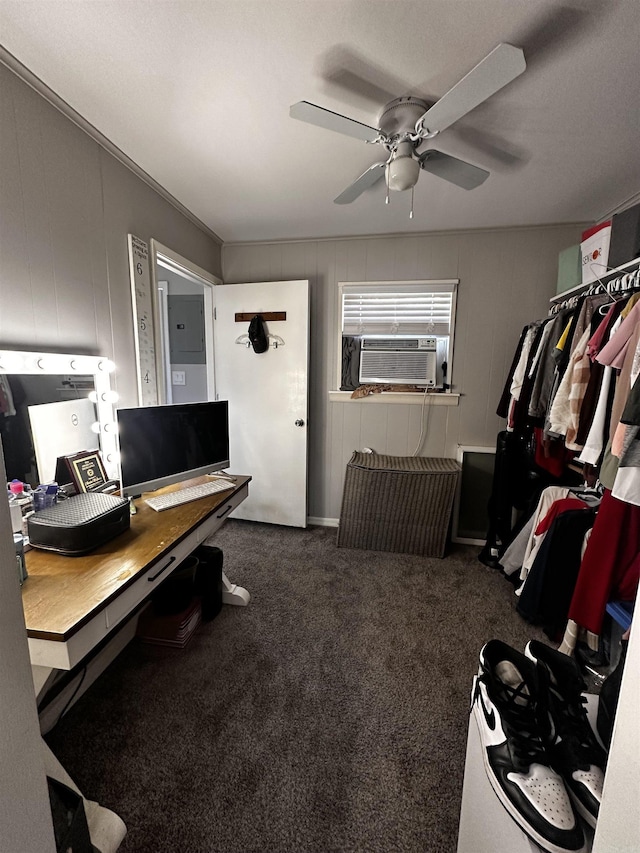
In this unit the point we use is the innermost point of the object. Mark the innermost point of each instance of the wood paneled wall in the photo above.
(66, 207)
(506, 279)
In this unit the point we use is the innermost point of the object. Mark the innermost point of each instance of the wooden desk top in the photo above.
(62, 593)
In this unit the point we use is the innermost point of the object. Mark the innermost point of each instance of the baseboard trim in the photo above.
(322, 522)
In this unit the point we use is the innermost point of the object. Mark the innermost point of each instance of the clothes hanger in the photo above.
(620, 285)
(587, 491)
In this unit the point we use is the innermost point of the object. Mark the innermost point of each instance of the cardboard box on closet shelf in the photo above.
(594, 251)
(625, 236)
(569, 269)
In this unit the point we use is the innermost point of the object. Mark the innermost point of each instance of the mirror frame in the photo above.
(42, 363)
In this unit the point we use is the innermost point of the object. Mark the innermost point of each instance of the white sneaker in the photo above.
(512, 720)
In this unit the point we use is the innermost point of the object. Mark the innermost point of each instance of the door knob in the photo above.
(299, 422)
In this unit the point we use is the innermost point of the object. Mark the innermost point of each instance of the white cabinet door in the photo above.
(268, 397)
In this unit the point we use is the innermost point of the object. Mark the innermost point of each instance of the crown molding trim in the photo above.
(391, 235)
(23, 73)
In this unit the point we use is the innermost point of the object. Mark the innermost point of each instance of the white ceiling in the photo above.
(198, 95)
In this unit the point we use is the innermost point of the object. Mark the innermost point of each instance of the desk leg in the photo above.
(234, 594)
(43, 677)
(106, 829)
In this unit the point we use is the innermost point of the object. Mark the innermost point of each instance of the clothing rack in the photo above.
(622, 279)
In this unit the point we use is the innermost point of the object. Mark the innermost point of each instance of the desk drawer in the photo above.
(146, 583)
(215, 521)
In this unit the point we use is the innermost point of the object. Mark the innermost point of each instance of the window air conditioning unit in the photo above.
(398, 361)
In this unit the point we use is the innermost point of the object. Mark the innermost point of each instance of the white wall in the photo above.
(25, 816)
(66, 209)
(506, 279)
(618, 829)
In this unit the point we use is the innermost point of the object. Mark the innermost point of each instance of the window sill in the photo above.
(411, 398)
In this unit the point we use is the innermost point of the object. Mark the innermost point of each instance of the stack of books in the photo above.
(173, 630)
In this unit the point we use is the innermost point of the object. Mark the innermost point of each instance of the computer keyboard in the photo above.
(185, 496)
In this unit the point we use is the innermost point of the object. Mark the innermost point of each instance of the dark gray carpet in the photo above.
(329, 715)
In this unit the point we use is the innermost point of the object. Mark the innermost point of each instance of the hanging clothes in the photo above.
(590, 402)
(503, 406)
(624, 382)
(626, 486)
(546, 363)
(518, 556)
(593, 444)
(522, 381)
(574, 376)
(548, 590)
(611, 564)
(613, 353)
(566, 404)
(600, 336)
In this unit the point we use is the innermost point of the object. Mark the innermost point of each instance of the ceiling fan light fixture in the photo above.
(405, 122)
(403, 170)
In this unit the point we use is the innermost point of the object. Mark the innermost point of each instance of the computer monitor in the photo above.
(160, 445)
(59, 429)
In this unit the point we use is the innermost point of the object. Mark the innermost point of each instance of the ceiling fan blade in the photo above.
(457, 172)
(304, 111)
(367, 179)
(498, 68)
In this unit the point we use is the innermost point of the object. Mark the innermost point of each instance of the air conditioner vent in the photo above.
(412, 363)
(397, 344)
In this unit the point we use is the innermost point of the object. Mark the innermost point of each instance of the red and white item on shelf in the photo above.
(594, 251)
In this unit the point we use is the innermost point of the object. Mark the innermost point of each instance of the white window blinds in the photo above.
(398, 308)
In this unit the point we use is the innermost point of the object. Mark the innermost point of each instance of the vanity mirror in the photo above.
(36, 378)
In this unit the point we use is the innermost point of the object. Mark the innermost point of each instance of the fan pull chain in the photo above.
(386, 201)
(411, 211)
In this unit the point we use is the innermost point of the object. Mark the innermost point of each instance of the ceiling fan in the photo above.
(405, 123)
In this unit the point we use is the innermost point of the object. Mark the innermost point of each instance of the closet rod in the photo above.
(607, 276)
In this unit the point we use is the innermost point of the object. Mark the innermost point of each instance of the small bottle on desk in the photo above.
(20, 494)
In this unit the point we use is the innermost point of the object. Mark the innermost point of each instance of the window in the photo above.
(397, 332)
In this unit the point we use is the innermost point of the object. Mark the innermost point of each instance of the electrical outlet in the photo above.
(178, 377)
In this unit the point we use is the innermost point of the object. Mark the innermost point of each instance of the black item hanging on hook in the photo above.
(258, 334)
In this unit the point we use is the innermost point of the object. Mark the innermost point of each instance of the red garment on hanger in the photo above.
(610, 568)
(557, 507)
(597, 340)
(550, 454)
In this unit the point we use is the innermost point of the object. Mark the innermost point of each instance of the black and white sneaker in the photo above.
(510, 710)
(574, 749)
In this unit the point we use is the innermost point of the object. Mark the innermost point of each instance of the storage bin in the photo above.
(397, 503)
(625, 237)
(569, 269)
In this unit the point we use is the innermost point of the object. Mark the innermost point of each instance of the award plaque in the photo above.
(85, 471)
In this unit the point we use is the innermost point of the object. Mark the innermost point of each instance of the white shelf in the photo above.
(485, 825)
(606, 276)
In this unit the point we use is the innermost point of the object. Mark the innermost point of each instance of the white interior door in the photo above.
(268, 396)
